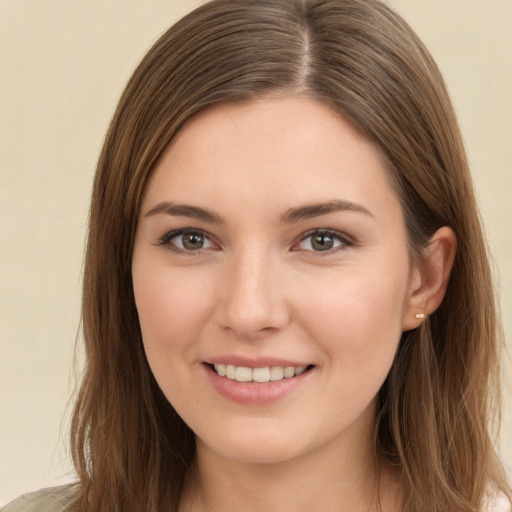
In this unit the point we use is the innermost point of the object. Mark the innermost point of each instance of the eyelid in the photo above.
(164, 241)
(346, 240)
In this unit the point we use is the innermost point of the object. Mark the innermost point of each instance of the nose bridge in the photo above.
(252, 299)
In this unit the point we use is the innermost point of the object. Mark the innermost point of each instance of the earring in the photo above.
(420, 316)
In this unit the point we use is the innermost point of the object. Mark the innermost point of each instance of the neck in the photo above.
(333, 478)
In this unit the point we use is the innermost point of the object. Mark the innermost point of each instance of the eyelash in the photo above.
(345, 241)
(165, 241)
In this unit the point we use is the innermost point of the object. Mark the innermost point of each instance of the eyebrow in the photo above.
(289, 217)
(317, 209)
(186, 210)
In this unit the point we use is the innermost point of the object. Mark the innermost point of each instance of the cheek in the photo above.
(172, 308)
(357, 319)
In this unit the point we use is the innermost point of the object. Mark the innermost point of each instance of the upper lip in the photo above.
(258, 362)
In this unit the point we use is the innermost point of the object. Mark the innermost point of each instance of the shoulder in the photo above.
(51, 499)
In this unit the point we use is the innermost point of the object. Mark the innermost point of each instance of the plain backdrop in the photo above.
(63, 65)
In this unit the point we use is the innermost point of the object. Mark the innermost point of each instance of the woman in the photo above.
(287, 298)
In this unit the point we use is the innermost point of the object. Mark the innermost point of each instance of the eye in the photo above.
(186, 240)
(323, 241)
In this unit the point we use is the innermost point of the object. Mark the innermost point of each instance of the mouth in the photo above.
(259, 375)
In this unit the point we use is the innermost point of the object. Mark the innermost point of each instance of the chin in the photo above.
(257, 447)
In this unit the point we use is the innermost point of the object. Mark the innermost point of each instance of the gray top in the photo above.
(51, 499)
(57, 499)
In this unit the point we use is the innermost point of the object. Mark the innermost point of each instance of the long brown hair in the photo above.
(435, 410)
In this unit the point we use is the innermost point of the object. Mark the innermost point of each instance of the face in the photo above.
(272, 278)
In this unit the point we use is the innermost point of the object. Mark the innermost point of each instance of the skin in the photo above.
(259, 288)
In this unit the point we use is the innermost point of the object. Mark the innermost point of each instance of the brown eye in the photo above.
(192, 241)
(187, 241)
(324, 241)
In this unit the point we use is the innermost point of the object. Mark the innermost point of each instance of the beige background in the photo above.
(62, 67)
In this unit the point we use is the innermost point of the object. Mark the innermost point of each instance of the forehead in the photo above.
(280, 125)
(290, 149)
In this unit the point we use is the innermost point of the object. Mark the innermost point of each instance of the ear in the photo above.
(429, 278)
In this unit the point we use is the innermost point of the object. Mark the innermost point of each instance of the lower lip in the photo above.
(255, 393)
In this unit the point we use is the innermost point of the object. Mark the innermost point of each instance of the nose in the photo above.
(252, 298)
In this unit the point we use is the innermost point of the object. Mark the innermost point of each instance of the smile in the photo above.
(264, 374)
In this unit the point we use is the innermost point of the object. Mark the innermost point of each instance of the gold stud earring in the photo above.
(420, 316)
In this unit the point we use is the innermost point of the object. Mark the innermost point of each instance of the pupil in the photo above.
(193, 241)
(322, 242)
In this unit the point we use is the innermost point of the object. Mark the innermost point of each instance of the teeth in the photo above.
(300, 369)
(243, 374)
(265, 374)
(230, 371)
(276, 373)
(289, 372)
(261, 374)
